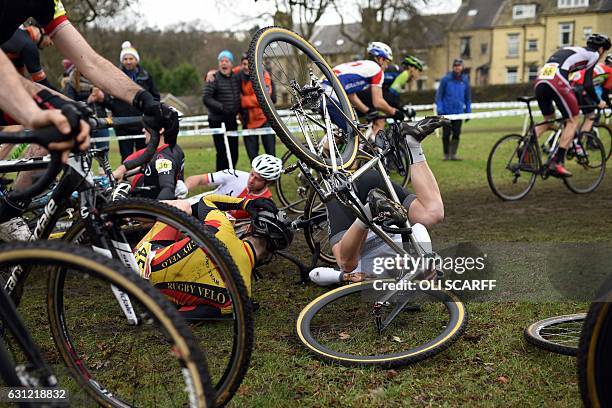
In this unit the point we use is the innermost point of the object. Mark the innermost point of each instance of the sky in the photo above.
(241, 14)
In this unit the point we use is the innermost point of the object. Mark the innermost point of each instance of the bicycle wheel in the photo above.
(559, 334)
(170, 370)
(291, 187)
(228, 339)
(603, 132)
(595, 356)
(510, 173)
(588, 167)
(339, 326)
(297, 68)
(317, 231)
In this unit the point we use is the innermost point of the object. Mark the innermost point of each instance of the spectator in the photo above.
(222, 98)
(130, 65)
(68, 67)
(254, 117)
(453, 97)
(81, 89)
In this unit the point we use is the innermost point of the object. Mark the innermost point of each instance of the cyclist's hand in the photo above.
(601, 104)
(259, 204)
(56, 118)
(399, 115)
(371, 115)
(157, 114)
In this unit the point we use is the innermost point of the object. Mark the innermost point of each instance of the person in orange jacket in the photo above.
(254, 117)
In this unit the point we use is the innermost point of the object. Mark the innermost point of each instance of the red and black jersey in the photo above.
(49, 13)
(161, 173)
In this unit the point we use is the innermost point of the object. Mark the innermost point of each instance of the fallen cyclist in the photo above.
(187, 277)
(354, 246)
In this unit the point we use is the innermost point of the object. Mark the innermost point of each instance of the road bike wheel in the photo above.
(293, 63)
(171, 369)
(588, 168)
(227, 339)
(291, 187)
(317, 232)
(603, 132)
(559, 334)
(511, 177)
(338, 326)
(595, 356)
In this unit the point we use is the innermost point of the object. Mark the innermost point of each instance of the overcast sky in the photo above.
(240, 14)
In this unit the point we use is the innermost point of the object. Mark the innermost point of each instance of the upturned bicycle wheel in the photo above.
(586, 163)
(170, 370)
(559, 334)
(317, 231)
(228, 338)
(595, 356)
(298, 72)
(339, 326)
(511, 171)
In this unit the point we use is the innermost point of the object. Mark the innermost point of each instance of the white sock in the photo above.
(415, 150)
(325, 276)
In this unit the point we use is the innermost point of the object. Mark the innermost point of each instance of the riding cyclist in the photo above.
(602, 81)
(186, 276)
(366, 74)
(412, 70)
(266, 169)
(553, 84)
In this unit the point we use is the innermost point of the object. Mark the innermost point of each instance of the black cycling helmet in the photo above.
(598, 40)
(608, 60)
(274, 228)
(412, 61)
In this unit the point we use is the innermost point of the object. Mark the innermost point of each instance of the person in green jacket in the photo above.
(412, 69)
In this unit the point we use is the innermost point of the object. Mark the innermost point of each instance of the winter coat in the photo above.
(453, 95)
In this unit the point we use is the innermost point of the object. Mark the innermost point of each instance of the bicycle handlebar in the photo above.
(105, 123)
(44, 137)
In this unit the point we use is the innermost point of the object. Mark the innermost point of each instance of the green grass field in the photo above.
(491, 365)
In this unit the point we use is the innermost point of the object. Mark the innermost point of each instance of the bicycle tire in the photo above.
(61, 255)
(242, 345)
(604, 133)
(451, 332)
(595, 160)
(558, 334)
(257, 48)
(294, 206)
(496, 187)
(595, 356)
(317, 233)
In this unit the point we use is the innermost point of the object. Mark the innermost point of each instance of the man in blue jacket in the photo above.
(453, 97)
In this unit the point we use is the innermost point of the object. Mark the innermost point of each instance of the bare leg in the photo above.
(569, 131)
(587, 126)
(182, 205)
(543, 128)
(428, 208)
(24, 179)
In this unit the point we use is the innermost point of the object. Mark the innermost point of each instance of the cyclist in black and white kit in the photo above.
(23, 49)
(553, 85)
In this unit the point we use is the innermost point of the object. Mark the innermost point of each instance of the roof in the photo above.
(476, 14)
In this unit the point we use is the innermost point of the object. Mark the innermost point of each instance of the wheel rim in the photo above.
(587, 164)
(510, 176)
(562, 333)
(292, 187)
(317, 232)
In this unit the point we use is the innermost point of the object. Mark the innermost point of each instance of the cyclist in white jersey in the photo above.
(366, 74)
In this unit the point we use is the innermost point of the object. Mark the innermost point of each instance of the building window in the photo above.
(566, 34)
(472, 12)
(420, 84)
(511, 75)
(523, 11)
(464, 47)
(513, 45)
(532, 45)
(587, 31)
(572, 3)
(484, 47)
(532, 73)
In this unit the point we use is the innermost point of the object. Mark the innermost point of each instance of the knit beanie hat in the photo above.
(127, 49)
(226, 54)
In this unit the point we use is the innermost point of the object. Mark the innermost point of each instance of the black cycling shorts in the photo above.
(341, 218)
(366, 97)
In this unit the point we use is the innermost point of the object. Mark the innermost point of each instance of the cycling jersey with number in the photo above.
(182, 270)
(359, 75)
(234, 184)
(49, 13)
(161, 173)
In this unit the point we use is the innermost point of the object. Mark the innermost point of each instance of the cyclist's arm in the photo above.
(166, 178)
(97, 69)
(225, 203)
(588, 85)
(357, 103)
(400, 81)
(348, 250)
(31, 59)
(379, 102)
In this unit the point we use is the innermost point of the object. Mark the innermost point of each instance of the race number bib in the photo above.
(549, 71)
(163, 165)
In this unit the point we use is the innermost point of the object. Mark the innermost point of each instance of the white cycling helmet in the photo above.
(268, 166)
(380, 49)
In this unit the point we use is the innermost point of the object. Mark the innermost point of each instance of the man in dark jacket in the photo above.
(453, 97)
(130, 65)
(222, 98)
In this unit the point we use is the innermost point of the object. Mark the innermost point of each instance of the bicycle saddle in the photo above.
(526, 99)
(424, 127)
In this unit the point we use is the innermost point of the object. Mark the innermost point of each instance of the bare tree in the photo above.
(86, 11)
(301, 15)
